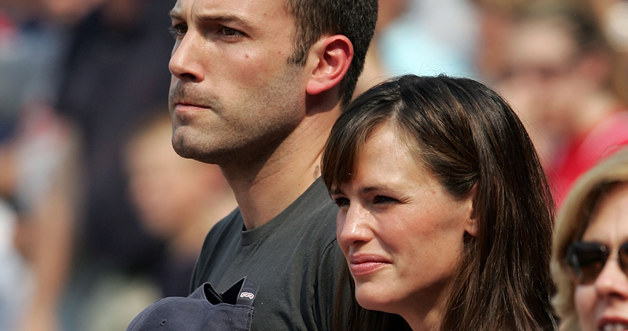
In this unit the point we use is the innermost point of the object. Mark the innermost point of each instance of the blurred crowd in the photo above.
(99, 217)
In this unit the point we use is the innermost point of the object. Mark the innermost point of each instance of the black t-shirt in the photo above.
(294, 258)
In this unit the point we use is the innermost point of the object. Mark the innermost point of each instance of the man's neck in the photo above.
(265, 190)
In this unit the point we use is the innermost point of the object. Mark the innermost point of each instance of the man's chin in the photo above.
(193, 152)
(185, 153)
(184, 147)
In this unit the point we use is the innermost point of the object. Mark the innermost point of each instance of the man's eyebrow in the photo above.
(223, 18)
(174, 14)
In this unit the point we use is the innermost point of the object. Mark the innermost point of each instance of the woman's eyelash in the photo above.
(341, 202)
(383, 199)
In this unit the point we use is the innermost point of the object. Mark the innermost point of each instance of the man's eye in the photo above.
(229, 32)
(341, 202)
(178, 29)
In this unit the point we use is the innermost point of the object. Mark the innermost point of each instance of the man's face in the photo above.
(233, 95)
(542, 60)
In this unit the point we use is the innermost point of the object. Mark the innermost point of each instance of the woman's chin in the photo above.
(372, 299)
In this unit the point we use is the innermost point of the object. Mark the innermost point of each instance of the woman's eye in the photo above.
(379, 199)
(341, 202)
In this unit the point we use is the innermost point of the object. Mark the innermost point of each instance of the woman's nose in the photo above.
(353, 225)
(612, 281)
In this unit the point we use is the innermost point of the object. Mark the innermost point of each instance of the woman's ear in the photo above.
(471, 221)
(331, 57)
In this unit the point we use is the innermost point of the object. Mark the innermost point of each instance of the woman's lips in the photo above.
(612, 324)
(361, 265)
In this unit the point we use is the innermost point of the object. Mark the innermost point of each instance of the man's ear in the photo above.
(471, 221)
(330, 59)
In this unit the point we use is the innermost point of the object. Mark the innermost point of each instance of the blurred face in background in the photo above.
(540, 79)
(602, 304)
(388, 11)
(168, 190)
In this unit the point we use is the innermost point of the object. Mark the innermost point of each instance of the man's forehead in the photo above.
(242, 6)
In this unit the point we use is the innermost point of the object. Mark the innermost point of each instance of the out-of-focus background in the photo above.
(99, 217)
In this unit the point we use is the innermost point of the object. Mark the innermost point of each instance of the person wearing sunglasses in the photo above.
(590, 249)
(444, 211)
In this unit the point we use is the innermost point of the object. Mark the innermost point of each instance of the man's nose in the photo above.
(185, 63)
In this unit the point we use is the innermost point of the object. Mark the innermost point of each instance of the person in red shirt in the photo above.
(560, 81)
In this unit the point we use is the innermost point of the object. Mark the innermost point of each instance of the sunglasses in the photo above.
(587, 259)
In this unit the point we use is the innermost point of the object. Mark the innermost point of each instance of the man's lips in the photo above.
(364, 264)
(185, 104)
(188, 107)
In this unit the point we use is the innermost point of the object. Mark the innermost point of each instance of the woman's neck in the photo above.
(427, 311)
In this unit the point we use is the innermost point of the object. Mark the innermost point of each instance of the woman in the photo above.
(590, 253)
(445, 215)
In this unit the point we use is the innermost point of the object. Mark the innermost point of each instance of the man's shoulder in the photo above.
(313, 212)
(314, 201)
(230, 221)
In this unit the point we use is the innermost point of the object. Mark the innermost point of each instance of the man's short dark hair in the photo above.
(354, 19)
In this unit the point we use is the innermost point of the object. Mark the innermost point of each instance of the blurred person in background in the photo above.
(115, 73)
(423, 37)
(559, 79)
(590, 249)
(176, 199)
(37, 151)
(75, 76)
(13, 284)
(64, 12)
(612, 17)
(494, 21)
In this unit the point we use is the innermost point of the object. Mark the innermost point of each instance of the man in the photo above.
(256, 86)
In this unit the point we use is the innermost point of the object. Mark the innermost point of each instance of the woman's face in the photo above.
(401, 233)
(603, 304)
